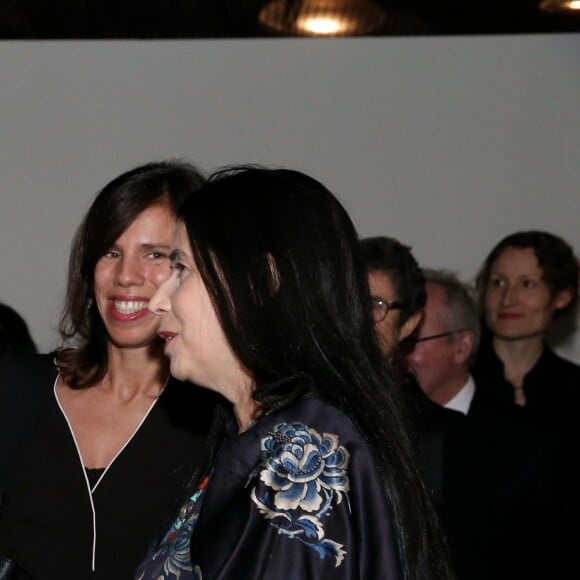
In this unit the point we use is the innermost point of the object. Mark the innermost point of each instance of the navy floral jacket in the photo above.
(296, 497)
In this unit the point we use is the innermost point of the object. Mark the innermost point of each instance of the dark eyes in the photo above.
(527, 283)
(156, 255)
(152, 255)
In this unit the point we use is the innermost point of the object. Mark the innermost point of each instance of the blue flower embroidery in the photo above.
(305, 474)
(172, 560)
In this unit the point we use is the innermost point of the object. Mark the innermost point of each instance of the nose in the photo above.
(509, 295)
(128, 273)
(160, 302)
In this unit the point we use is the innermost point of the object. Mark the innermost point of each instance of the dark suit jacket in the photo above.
(25, 386)
(491, 478)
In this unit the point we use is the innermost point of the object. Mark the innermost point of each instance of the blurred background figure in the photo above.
(445, 444)
(397, 288)
(504, 489)
(527, 280)
(441, 436)
(446, 343)
(14, 333)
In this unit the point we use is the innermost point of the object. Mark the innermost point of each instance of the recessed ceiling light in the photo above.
(323, 17)
(561, 6)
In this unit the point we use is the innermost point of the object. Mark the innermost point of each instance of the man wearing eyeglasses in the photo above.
(446, 342)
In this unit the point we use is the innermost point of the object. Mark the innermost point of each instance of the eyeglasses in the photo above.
(381, 306)
(434, 336)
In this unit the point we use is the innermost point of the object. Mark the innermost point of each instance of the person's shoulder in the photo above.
(319, 417)
(565, 365)
(26, 370)
(561, 375)
(25, 391)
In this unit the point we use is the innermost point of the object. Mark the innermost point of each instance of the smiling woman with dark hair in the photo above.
(527, 280)
(94, 440)
(309, 474)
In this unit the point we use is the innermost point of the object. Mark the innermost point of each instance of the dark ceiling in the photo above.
(158, 19)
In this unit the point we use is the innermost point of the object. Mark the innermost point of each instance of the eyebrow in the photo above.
(147, 246)
(175, 254)
(154, 246)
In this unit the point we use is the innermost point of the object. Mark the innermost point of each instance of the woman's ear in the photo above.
(411, 323)
(562, 299)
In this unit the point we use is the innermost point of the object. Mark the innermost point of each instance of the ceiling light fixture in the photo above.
(561, 6)
(322, 17)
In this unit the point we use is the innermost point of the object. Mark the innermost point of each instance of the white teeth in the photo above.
(129, 306)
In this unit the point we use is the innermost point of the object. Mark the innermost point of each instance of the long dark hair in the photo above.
(281, 260)
(118, 204)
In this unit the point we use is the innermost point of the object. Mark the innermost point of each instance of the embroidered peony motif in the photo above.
(304, 473)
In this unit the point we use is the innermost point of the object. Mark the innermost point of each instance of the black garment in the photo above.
(513, 470)
(297, 496)
(444, 447)
(551, 387)
(491, 479)
(93, 475)
(46, 524)
(552, 391)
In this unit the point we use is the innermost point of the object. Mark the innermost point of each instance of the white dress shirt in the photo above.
(462, 400)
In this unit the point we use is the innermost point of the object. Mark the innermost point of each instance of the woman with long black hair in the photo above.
(310, 473)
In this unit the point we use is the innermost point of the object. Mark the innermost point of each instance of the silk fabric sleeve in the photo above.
(298, 497)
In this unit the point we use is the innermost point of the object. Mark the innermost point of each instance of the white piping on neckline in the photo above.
(80, 457)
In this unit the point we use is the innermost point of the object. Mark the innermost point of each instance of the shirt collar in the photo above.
(462, 400)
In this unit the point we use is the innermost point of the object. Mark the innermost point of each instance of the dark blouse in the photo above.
(53, 526)
(552, 391)
(494, 483)
(551, 387)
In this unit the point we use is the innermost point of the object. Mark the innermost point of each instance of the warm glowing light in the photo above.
(561, 6)
(323, 17)
(320, 25)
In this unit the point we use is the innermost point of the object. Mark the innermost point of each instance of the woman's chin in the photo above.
(176, 371)
(513, 336)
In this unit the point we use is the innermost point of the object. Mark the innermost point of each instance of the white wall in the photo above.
(445, 143)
